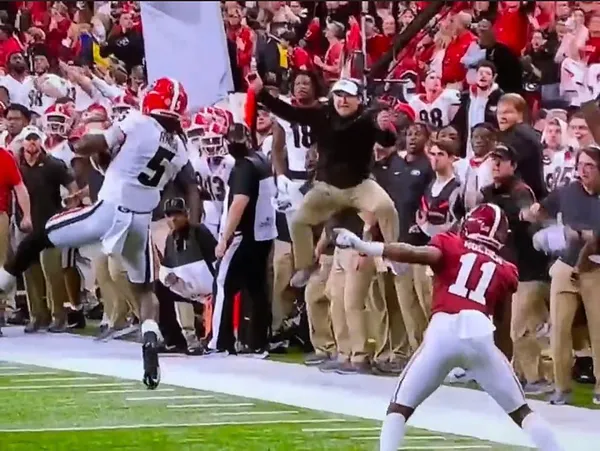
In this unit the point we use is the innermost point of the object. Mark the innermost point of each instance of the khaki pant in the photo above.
(318, 308)
(46, 289)
(565, 298)
(414, 294)
(115, 303)
(529, 312)
(388, 329)
(283, 294)
(348, 288)
(323, 200)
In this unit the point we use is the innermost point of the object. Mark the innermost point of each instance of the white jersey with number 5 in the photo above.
(141, 168)
(559, 169)
(212, 175)
(436, 113)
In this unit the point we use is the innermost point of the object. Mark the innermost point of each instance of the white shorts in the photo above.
(442, 350)
(120, 231)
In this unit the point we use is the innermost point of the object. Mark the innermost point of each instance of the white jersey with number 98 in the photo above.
(141, 168)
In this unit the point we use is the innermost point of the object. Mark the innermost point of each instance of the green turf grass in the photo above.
(276, 427)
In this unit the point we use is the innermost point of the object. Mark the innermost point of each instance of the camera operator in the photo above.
(244, 245)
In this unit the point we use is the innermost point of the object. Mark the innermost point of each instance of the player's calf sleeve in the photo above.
(28, 252)
(392, 432)
(540, 432)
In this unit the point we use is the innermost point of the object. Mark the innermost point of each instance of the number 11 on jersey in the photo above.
(459, 287)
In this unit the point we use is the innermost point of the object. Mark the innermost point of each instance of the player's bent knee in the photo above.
(519, 415)
(405, 411)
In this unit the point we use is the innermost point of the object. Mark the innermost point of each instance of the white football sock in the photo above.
(540, 433)
(392, 432)
(150, 325)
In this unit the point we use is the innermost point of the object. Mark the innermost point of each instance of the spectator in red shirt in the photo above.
(243, 38)
(331, 65)
(378, 44)
(9, 44)
(57, 29)
(591, 50)
(10, 180)
(453, 72)
(298, 58)
(512, 25)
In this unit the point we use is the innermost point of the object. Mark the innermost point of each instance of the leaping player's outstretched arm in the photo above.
(398, 252)
(406, 253)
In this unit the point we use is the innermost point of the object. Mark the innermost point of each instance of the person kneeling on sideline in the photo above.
(187, 268)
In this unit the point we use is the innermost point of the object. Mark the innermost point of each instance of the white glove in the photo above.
(283, 184)
(550, 240)
(345, 239)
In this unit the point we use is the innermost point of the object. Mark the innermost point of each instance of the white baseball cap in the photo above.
(345, 85)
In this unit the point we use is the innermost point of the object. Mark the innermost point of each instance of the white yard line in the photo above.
(341, 429)
(159, 398)
(209, 406)
(408, 437)
(174, 425)
(57, 379)
(140, 390)
(266, 412)
(2, 367)
(62, 386)
(30, 373)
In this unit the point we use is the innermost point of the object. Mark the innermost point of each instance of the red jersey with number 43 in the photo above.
(470, 276)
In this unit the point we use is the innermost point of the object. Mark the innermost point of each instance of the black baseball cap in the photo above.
(504, 152)
(175, 206)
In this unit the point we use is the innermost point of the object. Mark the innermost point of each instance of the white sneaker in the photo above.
(8, 283)
(457, 376)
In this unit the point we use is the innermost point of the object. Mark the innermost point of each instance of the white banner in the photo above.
(186, 41)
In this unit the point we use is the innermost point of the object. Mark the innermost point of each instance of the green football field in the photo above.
(46, 409)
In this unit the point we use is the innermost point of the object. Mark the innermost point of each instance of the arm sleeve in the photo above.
(287, 112)
(245, 182)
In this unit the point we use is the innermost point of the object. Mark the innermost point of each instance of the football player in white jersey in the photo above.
(291, 143)
(437, 106)
(212, 165)
(145, 150)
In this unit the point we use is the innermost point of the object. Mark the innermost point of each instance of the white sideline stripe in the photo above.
(174, 425)
(57, 379)
(32, 373)
(265, 412)
(141, 390)
(212, 406)
(408, 437)
(2, 367)
(61, 386)
(429, 447)
(158, 398)
(341, 429)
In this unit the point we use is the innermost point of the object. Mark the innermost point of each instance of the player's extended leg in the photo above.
(495, 375)
(139, 261)
(72, 228)
(423, 374)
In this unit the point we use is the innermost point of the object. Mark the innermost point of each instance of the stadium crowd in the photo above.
(486, 102)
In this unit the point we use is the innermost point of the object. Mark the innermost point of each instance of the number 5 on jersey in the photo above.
(467, 265)
(156, 167)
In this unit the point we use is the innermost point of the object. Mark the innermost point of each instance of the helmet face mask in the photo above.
(56, 124)
(213, 145)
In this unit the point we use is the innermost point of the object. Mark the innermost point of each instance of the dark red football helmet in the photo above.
(486, 224)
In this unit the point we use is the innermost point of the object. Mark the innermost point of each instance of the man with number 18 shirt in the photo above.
(141, 154)
(470, 280)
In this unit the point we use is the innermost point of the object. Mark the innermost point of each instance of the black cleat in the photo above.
(150, 357)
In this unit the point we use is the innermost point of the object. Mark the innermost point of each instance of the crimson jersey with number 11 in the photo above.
(470, 276)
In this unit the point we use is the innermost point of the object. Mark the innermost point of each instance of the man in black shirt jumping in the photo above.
(345, 135)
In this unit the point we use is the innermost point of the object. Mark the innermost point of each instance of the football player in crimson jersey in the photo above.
(438, 105)
(146, 150)
(470, 279)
